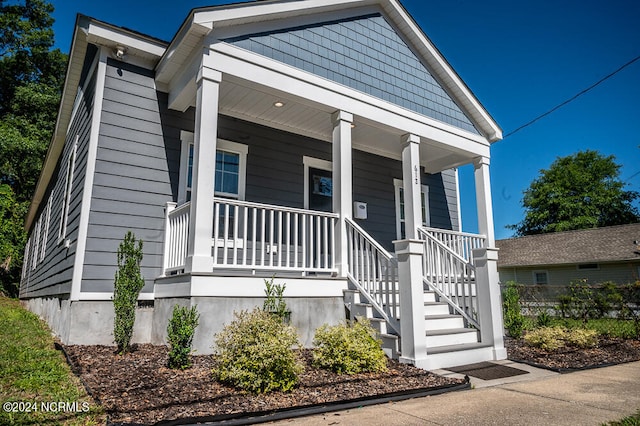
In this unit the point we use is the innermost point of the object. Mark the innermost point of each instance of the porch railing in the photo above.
(254, 236)
(462, 243)
(374, 272)
(451, 276)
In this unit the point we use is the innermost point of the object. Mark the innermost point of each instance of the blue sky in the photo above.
(520, 58)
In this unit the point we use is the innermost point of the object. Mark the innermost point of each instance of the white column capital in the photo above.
(408, 139)
(481, 161)
(339, 116)
(209, 74)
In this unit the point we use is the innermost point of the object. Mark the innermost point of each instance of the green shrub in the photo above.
(548, 338)
(553, 338)
(513, 318)
(255, 353)
(127, 286)
(349, 348)
(543, 319)
(180, 330)
(581, 337)
(274, 302)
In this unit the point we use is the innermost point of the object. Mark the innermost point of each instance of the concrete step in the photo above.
(443, 322)
(458, 336)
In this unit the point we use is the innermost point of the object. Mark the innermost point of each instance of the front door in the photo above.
(320, 190)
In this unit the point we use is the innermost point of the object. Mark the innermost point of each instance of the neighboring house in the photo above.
(556, 259)
(295, 139)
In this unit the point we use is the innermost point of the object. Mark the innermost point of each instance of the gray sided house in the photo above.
(312, 141)
(555, 260)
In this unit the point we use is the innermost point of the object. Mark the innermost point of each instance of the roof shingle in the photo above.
(596, 245)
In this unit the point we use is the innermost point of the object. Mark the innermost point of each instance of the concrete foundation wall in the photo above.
(91, 322)
(307, 314)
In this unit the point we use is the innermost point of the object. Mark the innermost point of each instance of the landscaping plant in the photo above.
(255, 353)
(513, 318)
(553, 338)
(180, 330)
(349, 348)
(274, 302)
(127, 286)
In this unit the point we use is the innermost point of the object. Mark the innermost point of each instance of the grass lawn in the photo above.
(627, 421)
(36, 384)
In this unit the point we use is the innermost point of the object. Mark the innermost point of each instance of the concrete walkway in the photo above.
(589, 397)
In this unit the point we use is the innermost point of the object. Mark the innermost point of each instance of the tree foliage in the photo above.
(31, 78)
(579, 191)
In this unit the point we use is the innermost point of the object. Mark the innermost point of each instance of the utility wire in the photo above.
(572, 98)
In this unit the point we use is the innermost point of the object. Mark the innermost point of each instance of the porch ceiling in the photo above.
(253, 102)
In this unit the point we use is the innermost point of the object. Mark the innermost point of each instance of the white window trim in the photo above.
(36, 240)
(540, 271)
(68, 188)
(426, 221)
(313, 163)
(187, 139)
(47, 222)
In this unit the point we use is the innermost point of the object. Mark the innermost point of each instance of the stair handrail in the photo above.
(464, 303)
(460, 242)
(365, 271)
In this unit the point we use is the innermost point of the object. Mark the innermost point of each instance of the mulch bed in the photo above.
(138, 388)
(609, 351)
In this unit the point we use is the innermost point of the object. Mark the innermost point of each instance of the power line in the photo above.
(573, 97)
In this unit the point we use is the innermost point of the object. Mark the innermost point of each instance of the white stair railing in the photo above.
(374, 272)
(450, 276)
(462, 243)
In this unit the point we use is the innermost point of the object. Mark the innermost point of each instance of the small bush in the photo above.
(274, 302)
(180, 330)
(581, 337)
(513, 318)
(127, 286)
(255, 353)
(348, 348)
(543, 319)
(553, 338)
(548, 338)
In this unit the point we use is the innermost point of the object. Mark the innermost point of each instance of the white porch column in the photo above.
(489, 300)
(483, 200)
(412, 325)
(204, 163)
(412, 185)
(342, 184)
(486, 261)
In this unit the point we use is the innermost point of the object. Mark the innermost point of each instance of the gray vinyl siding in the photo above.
(364, 53)
(137, 170)
(52, 274)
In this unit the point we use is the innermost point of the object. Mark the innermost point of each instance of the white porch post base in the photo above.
(199, 264)
(412, 324)
(489, 300)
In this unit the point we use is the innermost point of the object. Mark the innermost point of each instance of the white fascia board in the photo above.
(71, 82)
(190, 34)
(267, 72)
(259, 11)
(137, 45)
(182, 87)
(444, 70)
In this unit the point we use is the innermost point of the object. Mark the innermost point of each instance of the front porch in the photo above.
(342, 146)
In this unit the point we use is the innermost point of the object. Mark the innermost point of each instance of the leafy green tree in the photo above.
(31, 78)
(578, 191)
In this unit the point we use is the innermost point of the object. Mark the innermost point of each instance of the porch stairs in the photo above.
(452, 334)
